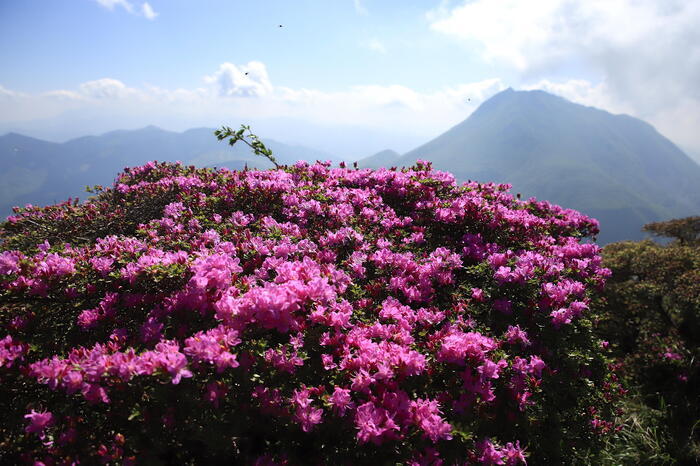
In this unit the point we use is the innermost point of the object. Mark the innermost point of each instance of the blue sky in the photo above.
(398, 72)
(323, 45)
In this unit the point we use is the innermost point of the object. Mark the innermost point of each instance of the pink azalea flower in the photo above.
(38, 422)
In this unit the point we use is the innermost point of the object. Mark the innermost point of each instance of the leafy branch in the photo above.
(255, 143)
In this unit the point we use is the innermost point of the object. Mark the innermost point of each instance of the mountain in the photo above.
(615, 168)
(385, 158)
(39, 172)
(28, 170)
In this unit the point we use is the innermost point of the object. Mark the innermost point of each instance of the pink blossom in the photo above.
(102, 264)
(9, 262)
(10, 351)
(341, 400)
(458, 345)
(516, 335)
(514, 454)
(373, 423)
(478, 294)
(427, 416)
(490, 455)
(55, 265)
(38, 422)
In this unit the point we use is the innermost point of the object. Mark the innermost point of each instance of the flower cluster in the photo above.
(302, 313)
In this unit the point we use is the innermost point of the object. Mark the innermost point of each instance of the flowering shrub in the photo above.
(302, 315)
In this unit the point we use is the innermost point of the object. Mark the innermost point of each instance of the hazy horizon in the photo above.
(350, 143)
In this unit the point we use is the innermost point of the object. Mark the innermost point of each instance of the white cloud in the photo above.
(360, 8)
(583, 92)
(8, 94)
(63, 95)
(146, 9)
(387, 107)
(106, 88)
(376, 46)
(527, 35)
(250, 80)
(110, 4)
(148, 12)
(680, 124)
(504, 29)
(392, 96)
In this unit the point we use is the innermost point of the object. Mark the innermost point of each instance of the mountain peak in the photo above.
(512, 95)
(385, 158)
(16, 138)
(150, 129)
(12, 135)
(386, 153)
(613, 167)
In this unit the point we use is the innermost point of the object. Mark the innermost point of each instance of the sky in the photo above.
(345, 76)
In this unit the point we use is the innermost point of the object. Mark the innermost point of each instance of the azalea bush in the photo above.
(301, 315)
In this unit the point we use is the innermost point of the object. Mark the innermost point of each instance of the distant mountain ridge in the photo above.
(615, 168)
(39, 172)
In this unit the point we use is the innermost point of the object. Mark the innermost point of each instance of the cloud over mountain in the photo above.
(645, 53)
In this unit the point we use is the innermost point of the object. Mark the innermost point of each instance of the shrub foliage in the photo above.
(651, 317)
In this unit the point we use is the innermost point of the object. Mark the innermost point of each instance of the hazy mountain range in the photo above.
(39, 172)
(342, 140)
(613, 167)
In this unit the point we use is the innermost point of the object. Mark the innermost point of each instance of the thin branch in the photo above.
(257, 145)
